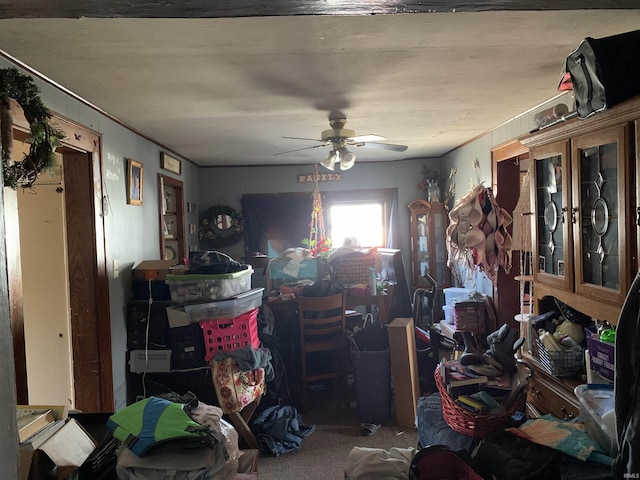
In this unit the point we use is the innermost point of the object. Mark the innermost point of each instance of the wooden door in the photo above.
(88, 282)
(89, 303)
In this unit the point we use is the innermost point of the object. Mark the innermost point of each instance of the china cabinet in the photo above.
(581, 211)
(172, 234)
(428, 249)
(586, 221)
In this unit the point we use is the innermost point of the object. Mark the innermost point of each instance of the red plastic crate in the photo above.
(230, 333)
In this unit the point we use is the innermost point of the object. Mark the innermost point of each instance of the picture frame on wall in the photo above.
(134, 182)
(171, 164)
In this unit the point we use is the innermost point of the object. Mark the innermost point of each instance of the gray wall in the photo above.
(231, 183)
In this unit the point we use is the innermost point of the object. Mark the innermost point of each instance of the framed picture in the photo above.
(561, 268)
(171, 164)
(541, 263)
(134, 182)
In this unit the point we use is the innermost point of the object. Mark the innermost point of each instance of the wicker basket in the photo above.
(566, 363)
(352, 269)
(471, 424)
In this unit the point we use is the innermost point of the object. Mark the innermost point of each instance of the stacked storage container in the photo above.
(221, 310)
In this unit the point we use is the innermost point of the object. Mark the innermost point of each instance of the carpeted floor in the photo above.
(323, 455)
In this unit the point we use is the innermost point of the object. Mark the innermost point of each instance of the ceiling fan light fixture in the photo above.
(347, 158)
(330, 162)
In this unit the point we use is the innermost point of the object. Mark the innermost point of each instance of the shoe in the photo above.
(472, 355)
(369, 429)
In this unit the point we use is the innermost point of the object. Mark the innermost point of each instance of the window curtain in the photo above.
(282, 219)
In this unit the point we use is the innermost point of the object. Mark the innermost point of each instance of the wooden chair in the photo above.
(322, 334)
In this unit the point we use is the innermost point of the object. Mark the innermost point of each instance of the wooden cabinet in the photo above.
(428, 250)
(586, 225)
(172, 234)
(581, 198)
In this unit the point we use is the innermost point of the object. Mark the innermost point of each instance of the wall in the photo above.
(233, 182)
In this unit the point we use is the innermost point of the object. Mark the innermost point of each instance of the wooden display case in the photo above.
(428, 249)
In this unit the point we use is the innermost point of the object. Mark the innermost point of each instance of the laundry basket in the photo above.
(352, 269)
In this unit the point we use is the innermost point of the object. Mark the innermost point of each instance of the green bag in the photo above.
(153, 421)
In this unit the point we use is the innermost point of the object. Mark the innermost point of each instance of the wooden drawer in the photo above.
(549, 394)
(547, 399)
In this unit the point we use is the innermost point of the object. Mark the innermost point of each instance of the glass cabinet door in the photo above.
(553, 261)
(599, 213)
(428, 249)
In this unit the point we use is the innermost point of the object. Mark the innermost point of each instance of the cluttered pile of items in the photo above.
(483, 388)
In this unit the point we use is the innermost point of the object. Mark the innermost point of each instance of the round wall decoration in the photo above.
(44, 137)
(220, 226)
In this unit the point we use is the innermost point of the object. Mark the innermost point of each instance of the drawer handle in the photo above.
(535, 393)
(565, 414)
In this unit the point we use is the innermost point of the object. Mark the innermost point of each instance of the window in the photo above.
(364, 221)
(365, 214)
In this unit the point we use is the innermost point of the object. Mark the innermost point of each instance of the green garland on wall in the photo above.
(44, 137)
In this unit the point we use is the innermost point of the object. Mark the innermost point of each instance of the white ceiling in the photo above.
(224, 91)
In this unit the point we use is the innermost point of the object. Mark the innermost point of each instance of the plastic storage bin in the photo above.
(230, 333)
(204, 288)
(201, 312)
(448, 313)
(452, 294)
(596, 411)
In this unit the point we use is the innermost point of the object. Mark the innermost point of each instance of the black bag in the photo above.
(605, 71)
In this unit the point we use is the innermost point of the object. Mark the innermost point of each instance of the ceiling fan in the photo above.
(339, 138)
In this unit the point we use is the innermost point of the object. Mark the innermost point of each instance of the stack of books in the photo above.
(478, 393)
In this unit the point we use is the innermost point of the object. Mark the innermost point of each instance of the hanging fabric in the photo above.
(477, 234)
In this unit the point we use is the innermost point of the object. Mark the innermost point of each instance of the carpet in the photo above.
(323, 454)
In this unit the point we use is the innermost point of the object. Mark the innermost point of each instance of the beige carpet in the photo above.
(324, 453)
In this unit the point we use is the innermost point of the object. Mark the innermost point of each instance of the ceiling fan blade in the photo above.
(383, 146)
(366, 138)
(299, 149)
(310, 139)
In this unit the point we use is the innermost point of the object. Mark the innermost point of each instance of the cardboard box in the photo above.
(26, 450)
(404, 371)
(154, 269)
(602, 356)
(66, 449)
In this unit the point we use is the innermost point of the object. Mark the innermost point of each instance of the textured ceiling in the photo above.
(224, 91)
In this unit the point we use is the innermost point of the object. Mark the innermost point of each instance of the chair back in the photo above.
(322, 318)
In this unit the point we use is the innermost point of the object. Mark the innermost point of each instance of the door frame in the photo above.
(78, 139)
(506, 290)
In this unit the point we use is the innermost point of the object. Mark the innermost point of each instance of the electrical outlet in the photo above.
(116, 269)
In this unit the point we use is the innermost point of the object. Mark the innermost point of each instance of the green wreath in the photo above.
(210, 233)
(44, 137)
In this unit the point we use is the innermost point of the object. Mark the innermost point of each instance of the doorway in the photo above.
(509, 163)
(85, 326)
